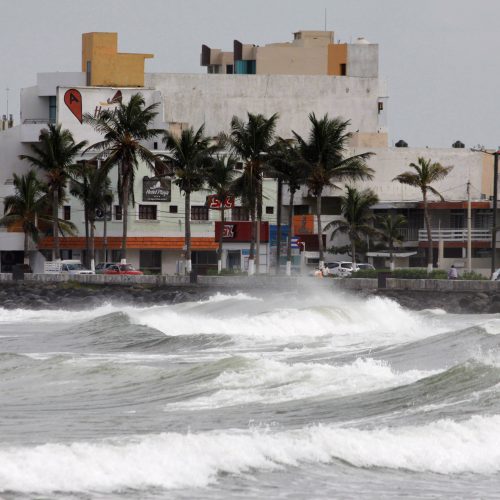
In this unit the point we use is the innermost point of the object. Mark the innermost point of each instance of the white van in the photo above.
(65, 267)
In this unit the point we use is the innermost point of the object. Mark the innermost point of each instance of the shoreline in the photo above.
(74, 295)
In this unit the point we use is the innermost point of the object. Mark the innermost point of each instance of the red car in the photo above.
(122, 269)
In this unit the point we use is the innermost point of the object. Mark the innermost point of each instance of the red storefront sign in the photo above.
(240, 231)
(215, 203)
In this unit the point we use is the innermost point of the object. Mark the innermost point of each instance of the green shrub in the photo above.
(368, 273)
(436, 274)
(466, 275)
(416, 273)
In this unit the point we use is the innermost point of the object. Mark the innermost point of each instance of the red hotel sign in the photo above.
(240, 231)
(215, 203)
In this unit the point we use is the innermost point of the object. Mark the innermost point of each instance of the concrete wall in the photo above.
(34, 107)
(47, 83)
(390, 162)
(215, 99)
(362, 60)
(421, 284)
(289, 60)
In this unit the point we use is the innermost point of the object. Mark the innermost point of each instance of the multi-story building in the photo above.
(311, 74)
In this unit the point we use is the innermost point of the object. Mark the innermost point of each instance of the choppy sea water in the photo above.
(286, 395)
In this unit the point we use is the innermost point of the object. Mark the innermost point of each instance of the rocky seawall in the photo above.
(73, 295)
(76, 296)
(451, 302)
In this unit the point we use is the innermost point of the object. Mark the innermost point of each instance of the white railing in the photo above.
(455, 234)
(409, 233)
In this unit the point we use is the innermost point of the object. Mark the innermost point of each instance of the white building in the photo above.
(156, 223)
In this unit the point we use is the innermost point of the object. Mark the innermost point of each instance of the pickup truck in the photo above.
(65, 267)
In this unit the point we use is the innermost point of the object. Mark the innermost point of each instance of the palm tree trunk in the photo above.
(289, 243)
(221, 236)
(26, 259)
(391, 255)
(259, 224)
(278, 226)
(105, 233)
(125, 196)
(251, 257)
(320, 235)
(429, 235)
(353, 251)
(56, 253)
(87, 246)
(187, 229)
(92, 246)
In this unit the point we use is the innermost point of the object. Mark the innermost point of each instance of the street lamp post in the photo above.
(495, 196)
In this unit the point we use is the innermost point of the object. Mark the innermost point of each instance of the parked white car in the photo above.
(65, 267)
(344, 268)
(496, 275)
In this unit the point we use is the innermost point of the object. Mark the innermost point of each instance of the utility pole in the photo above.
(469, 229)
(494, 230)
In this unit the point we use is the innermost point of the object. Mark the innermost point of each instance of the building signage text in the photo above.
(156, 189)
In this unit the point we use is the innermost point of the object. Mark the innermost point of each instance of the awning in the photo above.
(387, 205)
(398, 255)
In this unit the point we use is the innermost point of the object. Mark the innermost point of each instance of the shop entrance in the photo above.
(234, 260)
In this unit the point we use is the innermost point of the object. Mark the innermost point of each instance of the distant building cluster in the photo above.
(310, 74)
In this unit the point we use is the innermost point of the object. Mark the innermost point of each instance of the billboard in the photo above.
(156, 189)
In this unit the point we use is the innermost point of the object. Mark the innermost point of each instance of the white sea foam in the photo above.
(341, 321)
(267, 381)
(173, 460)
(54, 315)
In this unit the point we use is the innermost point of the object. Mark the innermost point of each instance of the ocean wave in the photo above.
(173, 460)
(268, 381)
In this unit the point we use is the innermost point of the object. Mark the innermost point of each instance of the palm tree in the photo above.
(220, 181)
(323, 156)
(124, 129)
(90, 183)
(285, 166)
(426, 173)
(357, 217)
(55, 156)
(27, 207)
(389, 232)
(190, 154)
(251, 141)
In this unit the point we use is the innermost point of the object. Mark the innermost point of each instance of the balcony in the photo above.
(455, 234)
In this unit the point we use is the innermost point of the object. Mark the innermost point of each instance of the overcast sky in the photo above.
(440, 58)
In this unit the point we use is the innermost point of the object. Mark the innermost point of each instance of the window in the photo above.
(301, 209)
(52, 109)
(199, 212)
(150, 260)
(118, 212)
(452, 253)
(380, 107)
(89, 73)
(229, 69)
(343, 69)
(240, 213)
(116, 255)
(173, 209)
(147, 212)
(457, 219)
(269, 210)
(155, 145)
(67, 212)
